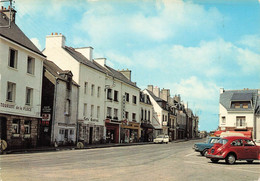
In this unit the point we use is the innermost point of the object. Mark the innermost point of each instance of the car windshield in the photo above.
(214, 140)
(223, 141)
(161, 136)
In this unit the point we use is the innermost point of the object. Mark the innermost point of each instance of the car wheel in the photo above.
(166, 142)
(205, 152)
(214, 160)
(250, 161)
(201, 153)
(230, 159)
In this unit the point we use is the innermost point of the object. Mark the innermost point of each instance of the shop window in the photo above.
(12, 58)
(29, 96)
(16, 126)
(27, 127)
(30, 65)
(11, 89)
(116, 96)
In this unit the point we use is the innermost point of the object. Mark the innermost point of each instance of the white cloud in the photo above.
(36, 42)
(119, 59)
(251, 41)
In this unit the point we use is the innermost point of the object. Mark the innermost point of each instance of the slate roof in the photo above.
(92, 64)
(16, 35)
(56, 71)
(238, 95)
(157, 99)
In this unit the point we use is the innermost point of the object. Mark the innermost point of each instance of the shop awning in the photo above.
(147, 125)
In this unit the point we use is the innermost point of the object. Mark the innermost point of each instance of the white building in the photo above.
(21, 65)
(106, 96)
(160, 112)
(59, 106)
(237, 111)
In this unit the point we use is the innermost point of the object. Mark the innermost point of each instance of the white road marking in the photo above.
(191, 154)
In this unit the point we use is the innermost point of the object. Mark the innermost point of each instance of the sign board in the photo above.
(123, 106)
(46, 117)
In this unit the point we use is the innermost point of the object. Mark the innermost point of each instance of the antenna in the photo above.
(10, 12)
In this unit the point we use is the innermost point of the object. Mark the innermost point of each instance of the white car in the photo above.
(161, 139)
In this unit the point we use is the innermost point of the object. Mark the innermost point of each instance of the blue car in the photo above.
(203, 147)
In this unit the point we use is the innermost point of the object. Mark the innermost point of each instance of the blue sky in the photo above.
(193, 48)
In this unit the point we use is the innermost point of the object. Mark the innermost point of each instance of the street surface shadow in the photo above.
(237, 163)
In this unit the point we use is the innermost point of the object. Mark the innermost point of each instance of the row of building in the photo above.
(63, 95)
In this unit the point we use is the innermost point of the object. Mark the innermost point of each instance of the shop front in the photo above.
(112, 131)
(130, 132)
(147, 132)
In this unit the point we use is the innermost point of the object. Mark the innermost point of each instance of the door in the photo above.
(3, 128)
(90, 135)
(251, 150)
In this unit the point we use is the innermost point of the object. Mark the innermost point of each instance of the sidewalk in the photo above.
(94, 146)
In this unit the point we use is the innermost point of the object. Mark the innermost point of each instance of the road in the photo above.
(173, 161)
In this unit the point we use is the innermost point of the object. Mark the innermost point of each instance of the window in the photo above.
(126, 115)
(92, 89)
(162, 117)
(134, 99)
(29, 96)
(145, 115)
(223, 118)
(134, 117)
(237, 105)
(30, 65)
(69, 83)
(109, 94)
(16, 126)
(166, 118)
(98, 111)
(27, 127)
(85, 110)
(142, 114)
(237, 143)
(85, 88)
(71, 131)
(92, 111)
(241, 121)
(67, 107)
(249, 143)
(109, 112)
(116, 95)
(12, 58)
(148, 115)
(11, 88)
(84, 130)
(115, 114)
(98, 91)
(127, 97)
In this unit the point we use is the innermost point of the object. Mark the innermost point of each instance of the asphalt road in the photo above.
(173, 161)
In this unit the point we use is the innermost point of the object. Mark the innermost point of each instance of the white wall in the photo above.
(22, 80)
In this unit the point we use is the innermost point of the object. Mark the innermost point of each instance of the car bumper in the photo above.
(215, 156)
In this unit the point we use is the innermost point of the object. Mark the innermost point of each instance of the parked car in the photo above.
(203, 147)
(161, 139)
(234, 148)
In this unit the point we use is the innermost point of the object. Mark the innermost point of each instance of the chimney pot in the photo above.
(56, 33)
(51, 33)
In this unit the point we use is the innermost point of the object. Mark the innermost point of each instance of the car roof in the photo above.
(236, 137)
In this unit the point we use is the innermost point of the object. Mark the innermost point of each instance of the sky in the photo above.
(193, 48)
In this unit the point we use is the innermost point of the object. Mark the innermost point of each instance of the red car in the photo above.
(234, 148)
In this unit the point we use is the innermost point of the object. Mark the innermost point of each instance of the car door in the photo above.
(238, 147)
(251, 150)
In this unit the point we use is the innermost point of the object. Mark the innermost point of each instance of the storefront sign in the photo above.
(12, 106)
(46, 117)
(123, 106)
(90, 119)
(46, 109)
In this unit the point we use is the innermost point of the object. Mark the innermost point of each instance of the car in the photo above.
(161, 139)
(203, 147)
(234, 148)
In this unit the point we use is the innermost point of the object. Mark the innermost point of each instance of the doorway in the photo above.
(3, 128)
(90, 135)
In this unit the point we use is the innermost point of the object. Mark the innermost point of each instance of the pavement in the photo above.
(92, 146)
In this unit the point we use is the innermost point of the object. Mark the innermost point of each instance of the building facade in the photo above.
(21, 67)
(238, 111)
(59, 106)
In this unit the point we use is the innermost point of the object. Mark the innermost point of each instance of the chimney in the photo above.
(86, 52)
(150, 88)
(221, 90)
(177, 98)
(156, 91)
(101, 61)
(55, 40)
(126, 73)
(10, 13)
(165, 94)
